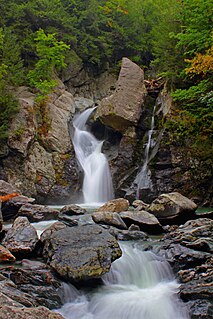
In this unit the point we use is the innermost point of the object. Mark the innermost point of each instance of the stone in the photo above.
(173, 208)
(72, 209)
(115, 205)
(21, 238)
(7, 312)
(139, 205)
(123, 108)
(47, 233)
(7, 188)
(37, 213)
(10, 208)
(146, 221)
(123, 234)
(35, 281)
(81, 252)
(109, 218)
(5, 255)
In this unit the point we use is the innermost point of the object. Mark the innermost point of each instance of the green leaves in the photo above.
(51, 55)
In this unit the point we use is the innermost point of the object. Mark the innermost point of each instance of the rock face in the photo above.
(42, 162)
(173, 208)
(7, 312)
(81, 252)
(22, 238)
(123, 109)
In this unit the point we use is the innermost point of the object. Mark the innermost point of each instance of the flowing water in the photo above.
(140, 285)
(97, 183)
(143, 179)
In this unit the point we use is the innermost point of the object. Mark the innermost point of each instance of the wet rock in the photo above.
(146, 221)
(123, 234)
(109, 218)
(10, 208)
(72, 209)
(123, 108)
(5, 255)
(7, 312)
(37, 213)
(22, 238)
(115, 205)
(82, 252)
(1, 217)
(36, 280)
(50, 230)
(200, 309)
(68, 220)
(139, 205)
(173, 208)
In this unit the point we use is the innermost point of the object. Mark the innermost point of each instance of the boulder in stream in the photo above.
(21, 238)
(173, 208)
(7, 312)
(81, 252)
(115, 205)
(37, 213)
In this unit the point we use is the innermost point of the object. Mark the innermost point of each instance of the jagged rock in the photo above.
(81, 252)
(5, 255)
(22, 238)
(68, 220)
(200, 309)
(7, 188)
(140, 205)
(83, 103)
(115, 205)
(7, 312)
(173, 208)
(36, 213)
(146, 221)
(72, 209)
(123, 108)
(10, 208)
(109, 218)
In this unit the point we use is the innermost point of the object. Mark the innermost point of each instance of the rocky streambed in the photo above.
(80, 246)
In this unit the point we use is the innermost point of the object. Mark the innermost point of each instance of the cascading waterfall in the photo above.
(143, 179)
(97, 183)
(140, 285)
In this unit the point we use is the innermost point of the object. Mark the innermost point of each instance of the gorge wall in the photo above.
(39, 158)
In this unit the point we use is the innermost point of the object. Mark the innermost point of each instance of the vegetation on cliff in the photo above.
(173, 39)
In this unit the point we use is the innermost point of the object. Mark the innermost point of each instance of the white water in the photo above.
(140, 285)
(97, 184)
(143, 179)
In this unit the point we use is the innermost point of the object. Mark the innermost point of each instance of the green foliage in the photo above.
(50, 57)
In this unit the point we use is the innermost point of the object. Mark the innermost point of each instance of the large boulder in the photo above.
(173, 208)
(146, 221)
(21, 238)
(81, 252)
(7, 312)
(11, 207)
(115, 205)
(122, 109)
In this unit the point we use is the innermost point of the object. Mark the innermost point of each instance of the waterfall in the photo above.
(97, 183)
(143, 179)
(140, 285)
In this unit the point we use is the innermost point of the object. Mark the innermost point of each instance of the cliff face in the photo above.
(40, 161)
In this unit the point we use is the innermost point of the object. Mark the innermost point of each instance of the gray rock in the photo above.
(36, 213)
(11, 207)
(72, 209)
(7, 188)
(109, 218)
(82, 252)
(7, 312)
(22, 238)
(122, 109)
(146, 221)
(173, 208)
